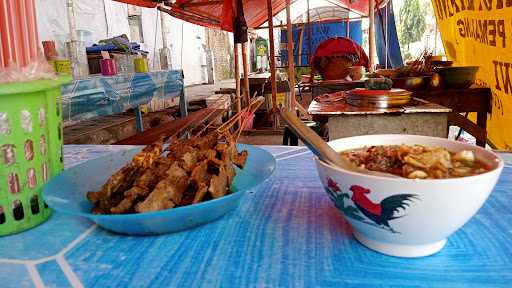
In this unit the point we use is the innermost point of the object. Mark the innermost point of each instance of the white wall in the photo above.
(90, 15)
(107, 18)
(188, 55)
(117, 20)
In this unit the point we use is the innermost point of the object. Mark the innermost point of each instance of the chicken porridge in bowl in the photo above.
(443, 184)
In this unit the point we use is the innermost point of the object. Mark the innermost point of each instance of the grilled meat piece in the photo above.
(166, 194)
(127, 203)
(123, 179)
(201, 192)
(219, 184)
(241, 158)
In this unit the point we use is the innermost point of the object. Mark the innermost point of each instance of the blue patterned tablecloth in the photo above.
(101, 95)
(285, 233)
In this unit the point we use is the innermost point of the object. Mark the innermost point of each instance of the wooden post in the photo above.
(272, 62)
(310, 34)
(291, 60)
(237, 81)
(371, 34)
(247, 95)
(291, 63)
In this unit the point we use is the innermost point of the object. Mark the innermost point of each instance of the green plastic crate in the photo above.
(30, 150)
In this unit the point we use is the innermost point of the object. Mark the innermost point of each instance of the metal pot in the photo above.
(417, 83)
(457, 77)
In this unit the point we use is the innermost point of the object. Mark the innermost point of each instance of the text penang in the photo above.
(488, 32)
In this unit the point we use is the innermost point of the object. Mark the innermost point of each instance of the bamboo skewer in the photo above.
(239, 117)
(251, 108)
(219, 106)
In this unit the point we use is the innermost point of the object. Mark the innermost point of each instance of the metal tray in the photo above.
(379, 100)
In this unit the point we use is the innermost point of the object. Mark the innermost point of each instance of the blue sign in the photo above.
(319, 33)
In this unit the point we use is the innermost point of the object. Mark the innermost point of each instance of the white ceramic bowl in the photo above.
(420, 214)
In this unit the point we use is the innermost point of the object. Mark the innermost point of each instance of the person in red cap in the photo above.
(333, 58)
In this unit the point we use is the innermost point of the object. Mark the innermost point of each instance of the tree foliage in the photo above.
(412, 22)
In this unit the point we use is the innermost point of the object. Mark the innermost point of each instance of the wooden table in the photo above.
(477, 100)
(461, 101)
(344, 120)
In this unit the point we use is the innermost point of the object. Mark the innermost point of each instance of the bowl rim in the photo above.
(467, 68)
(155, 214)
(497, 158)
(408, 77)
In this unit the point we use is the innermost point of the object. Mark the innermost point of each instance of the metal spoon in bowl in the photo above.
(321, 149)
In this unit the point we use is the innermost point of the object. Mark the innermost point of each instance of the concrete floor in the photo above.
(261, 139)
(200, 92)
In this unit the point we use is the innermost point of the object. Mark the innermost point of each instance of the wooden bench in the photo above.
(174, 128)
(463, 101)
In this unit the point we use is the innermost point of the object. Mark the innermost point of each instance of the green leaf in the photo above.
(352, 210)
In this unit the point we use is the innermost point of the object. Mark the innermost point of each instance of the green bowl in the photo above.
(461, 77)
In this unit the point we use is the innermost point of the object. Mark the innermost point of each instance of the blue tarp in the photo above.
(319, 33)
(394, 57)
(101, 96)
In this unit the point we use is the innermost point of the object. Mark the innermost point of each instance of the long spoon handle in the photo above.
(314, 142)
(320, 148)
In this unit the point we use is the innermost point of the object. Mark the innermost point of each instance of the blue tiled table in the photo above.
(107, 95)
(285, 233)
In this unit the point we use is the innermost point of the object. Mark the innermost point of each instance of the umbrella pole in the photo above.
(247, 92)
(237, 81)
(371, 34)
(272, 64)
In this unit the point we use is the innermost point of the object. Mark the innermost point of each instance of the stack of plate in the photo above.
(362, 97)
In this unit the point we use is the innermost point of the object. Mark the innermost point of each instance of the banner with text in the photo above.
(479, 32)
